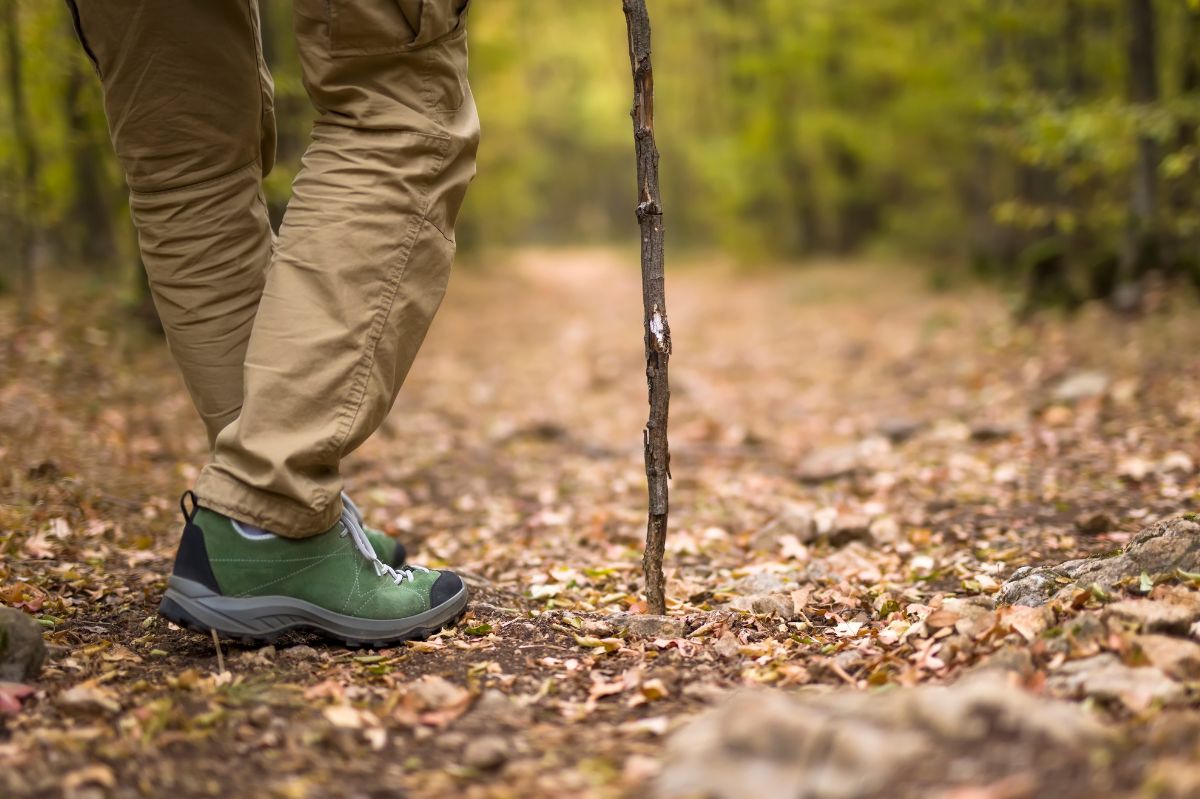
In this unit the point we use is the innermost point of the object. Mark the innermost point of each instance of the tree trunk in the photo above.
(1187, 187)
(27, 156)
(92, 234)
(657, 337)
(1143, 92)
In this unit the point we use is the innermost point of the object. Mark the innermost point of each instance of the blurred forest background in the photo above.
(1051, 147)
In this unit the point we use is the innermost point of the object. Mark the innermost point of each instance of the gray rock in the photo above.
(849, 659)
(486, 753)
(1157, 550)
(1086, 628)
(779, 605)
(1007, 659)
(1178, 658)
(1106, 677)
(649, 626)
(908, 742)
(1080, 386)
(830, 463)
(991, 431)
(1095, 523)
(300, 652)
(1168, 611)
(794, 520)
(850, 527)
(763, 583)
(22, 650)
(899, 429)
(495, 710)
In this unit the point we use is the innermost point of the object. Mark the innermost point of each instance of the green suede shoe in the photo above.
(389, 550)
(257, 585)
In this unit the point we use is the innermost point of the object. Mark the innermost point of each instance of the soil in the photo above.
(514, 454)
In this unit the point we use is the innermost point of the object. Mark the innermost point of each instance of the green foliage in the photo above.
(967, 130)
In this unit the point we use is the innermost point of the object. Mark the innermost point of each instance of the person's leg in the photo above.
(189, 106)
(362, 259)
(188, 103)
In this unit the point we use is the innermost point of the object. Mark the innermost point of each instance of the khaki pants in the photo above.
(293, 349)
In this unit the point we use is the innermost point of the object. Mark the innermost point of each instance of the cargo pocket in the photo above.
(77, 23)
(380, 27)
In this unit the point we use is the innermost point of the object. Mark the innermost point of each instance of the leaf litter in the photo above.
(812, 548)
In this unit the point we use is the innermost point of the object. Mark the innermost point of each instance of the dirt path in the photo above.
(845, 443)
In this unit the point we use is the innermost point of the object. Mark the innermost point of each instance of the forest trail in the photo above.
(853, 455)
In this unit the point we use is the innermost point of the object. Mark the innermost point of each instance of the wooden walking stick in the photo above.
(657, 331)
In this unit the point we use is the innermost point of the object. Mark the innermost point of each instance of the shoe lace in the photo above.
(352, 527)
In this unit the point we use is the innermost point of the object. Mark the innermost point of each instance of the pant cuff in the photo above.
(268, 510)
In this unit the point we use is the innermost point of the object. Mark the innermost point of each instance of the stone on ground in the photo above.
(907, 742)
(1158, 551)
(1105, 677)
(22, 650)
(1170, 609)
(1179, 658)
(832, 463)
(651, 626)
(1081, 386)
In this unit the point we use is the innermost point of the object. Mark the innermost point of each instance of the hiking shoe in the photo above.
(256, 585)
(389, 550)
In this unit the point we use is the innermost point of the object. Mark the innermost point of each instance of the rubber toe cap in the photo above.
(445, 588)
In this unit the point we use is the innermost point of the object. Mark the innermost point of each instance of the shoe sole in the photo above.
(263, 619)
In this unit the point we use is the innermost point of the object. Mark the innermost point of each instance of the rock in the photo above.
(434, 692)
(991, 431)
(763, 583)
(830, 463)
(1168, 612)
(1032, 586)
(1007, 659)
(648, 626)
(301, 652)
(486, 753)
(1157, 550)
(885, 530)
(849, 659)
(602, 628)
(496, 710)
(899, 429)
(1177, 462)
(780, 605)
(22, 650)
(971, 608)
(1134, 469)
(794, 520)
(1179, 658)
(1080, 386)
(850, 527)
(727, 645)
(1095, 523)
(907, 742)
(1083, 635)
(1106, 677)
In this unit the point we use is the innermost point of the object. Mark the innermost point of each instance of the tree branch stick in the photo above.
(657, 330)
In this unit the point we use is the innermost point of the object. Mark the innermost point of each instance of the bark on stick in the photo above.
(657, 331)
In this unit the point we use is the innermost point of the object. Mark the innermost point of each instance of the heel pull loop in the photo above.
(187, 517)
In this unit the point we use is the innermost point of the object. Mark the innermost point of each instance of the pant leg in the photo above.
(189, 105)
(363, 254)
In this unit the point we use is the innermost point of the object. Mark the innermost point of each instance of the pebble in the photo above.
(22, 650)
(650, 626)
(486, 753)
